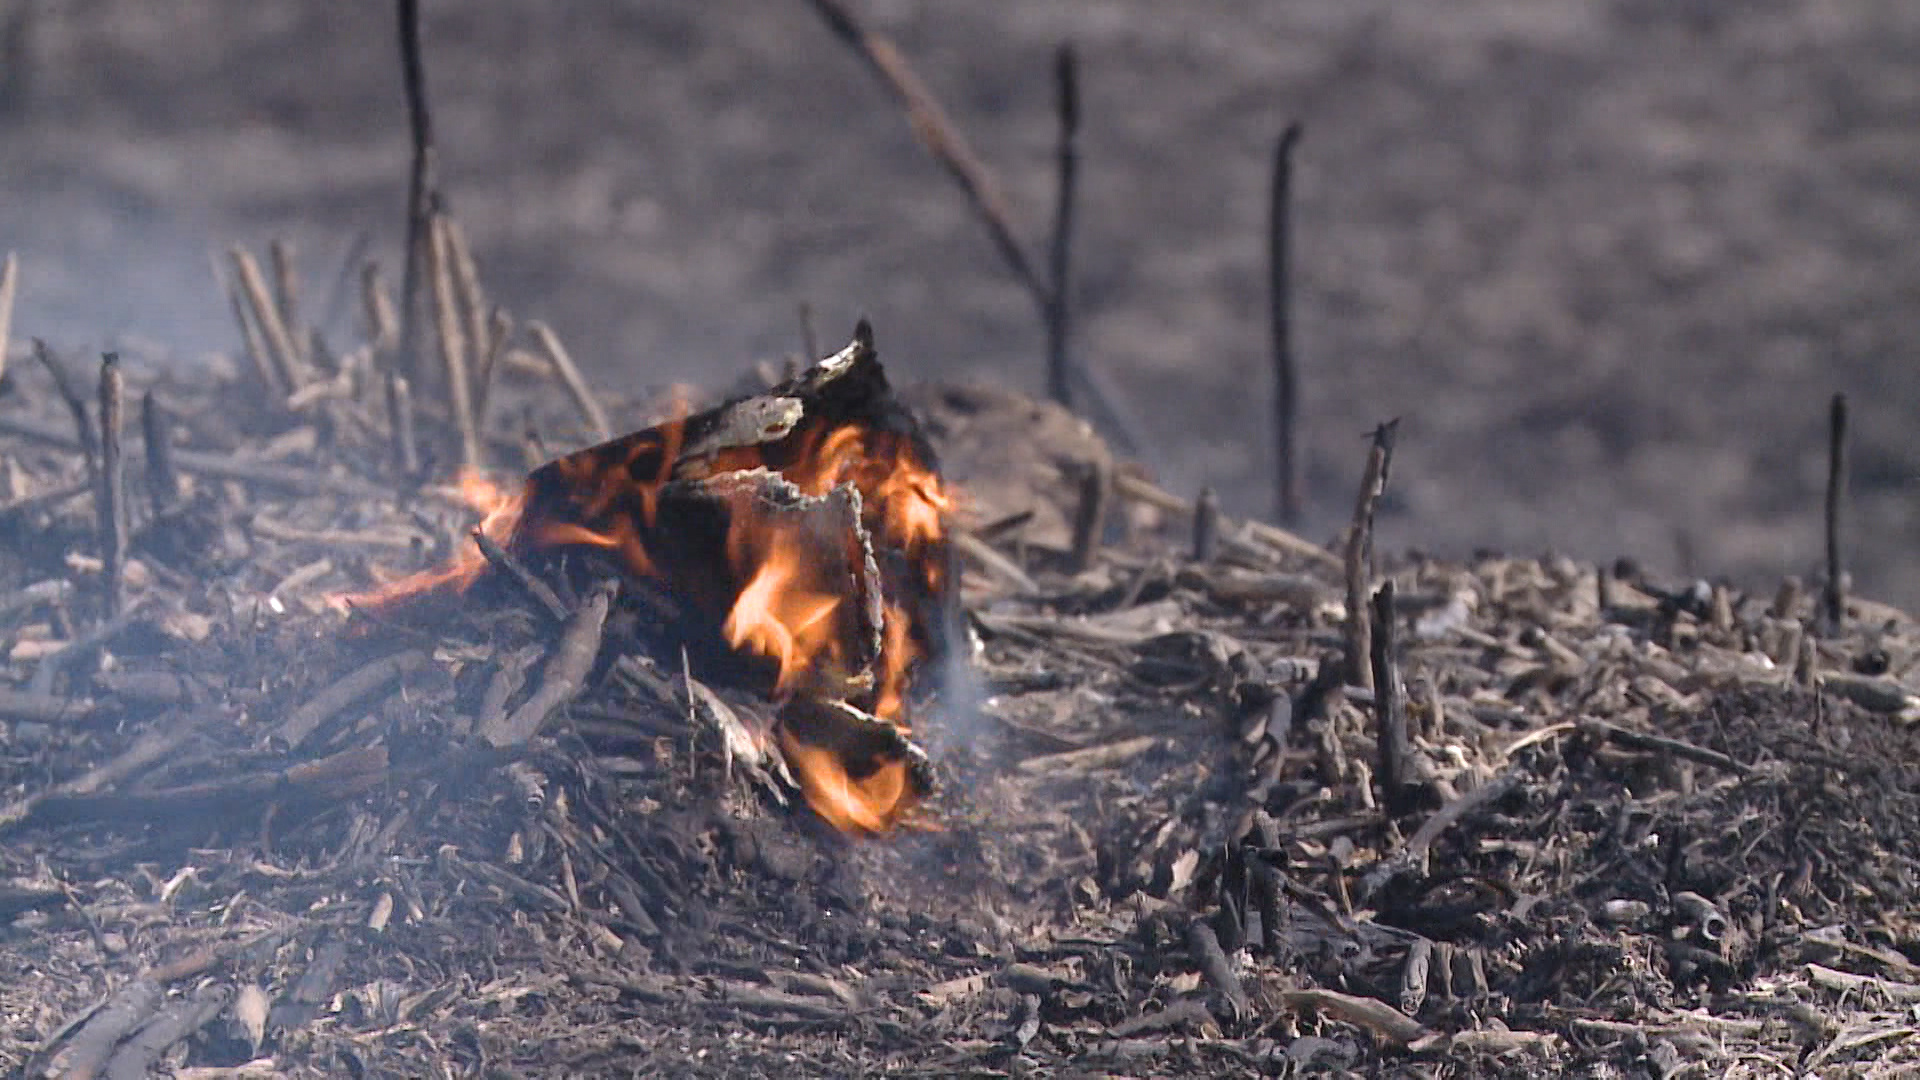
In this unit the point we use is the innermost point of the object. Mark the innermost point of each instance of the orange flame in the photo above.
(866, 805)
(778, 617)
(786, 609)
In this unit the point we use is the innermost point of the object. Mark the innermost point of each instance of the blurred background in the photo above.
(1607, 258)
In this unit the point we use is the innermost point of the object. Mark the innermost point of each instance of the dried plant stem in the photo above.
(453, 345)
(266, 316)
(406, 451)
(473, 297)
(112, 494)
(936, 132)
(422, 197)
(1835, 597)
(570, 377)
(256, 348)
(499, 331)
(1206, 526)
(286, 294)
(1286, 385)
(1390, 714)
(376, 310)
(9, 282)
(562, 678)
(163, 477)
(76, 406)
(1090, 514)
(1360, 556)
(1060, 380)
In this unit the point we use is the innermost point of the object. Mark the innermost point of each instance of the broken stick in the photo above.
(1360, 555)
(112, 496)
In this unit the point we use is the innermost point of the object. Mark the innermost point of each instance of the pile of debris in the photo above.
(312, 765)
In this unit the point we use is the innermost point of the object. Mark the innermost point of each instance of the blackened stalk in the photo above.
(1090, 514)
(1206, 526)
(112, 494)
(1286, 378)
(9, 281)
(1066, 81)
(76, 405)
(422, 198)
(1836, 592)
(1359, 564)
(406, 450)
(1389, 710)
(163, 477)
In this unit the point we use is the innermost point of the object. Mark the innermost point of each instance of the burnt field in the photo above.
(508, 632)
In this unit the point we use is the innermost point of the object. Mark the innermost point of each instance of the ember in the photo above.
(807, 526)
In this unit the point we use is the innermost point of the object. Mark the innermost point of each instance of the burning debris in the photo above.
(801, 534)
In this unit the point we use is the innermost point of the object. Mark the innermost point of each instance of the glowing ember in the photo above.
(782, 588)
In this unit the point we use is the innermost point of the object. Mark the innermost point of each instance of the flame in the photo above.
(868, 805)
(779, 618)
(789, 607)
(500, 515)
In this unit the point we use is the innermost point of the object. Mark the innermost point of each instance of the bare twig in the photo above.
(1360, 555)
(538, 591)
(251, 341)
(406, 451)
(473, 297)
(1835, 596)
(570, 377)
(376, 308)
(9, 282)
(1204, 947)
(1090, 514)
(266, 315)
(1661, 744)
(112, 497)
(286, 295)
(562, 678)
(499, 331)
(1286, 386)
(350, 689)
(453, 346)
(936, 132)
(1390, 714)
(1206, 526)
(1060, 250)
(163, 479)
(89, 440)
(422, 198)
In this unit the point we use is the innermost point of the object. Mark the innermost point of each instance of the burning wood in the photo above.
(804, 529)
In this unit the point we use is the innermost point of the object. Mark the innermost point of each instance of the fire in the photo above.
(499, 517)
(780, 594)
(777, 618)
(868, 805)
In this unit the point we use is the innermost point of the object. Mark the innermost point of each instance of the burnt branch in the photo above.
(113, 488)
(89, 440)
(1359, 558)
(422, 195)
(1389, 707)
(1060, 250)
(564, 675)
(937, 132)
(163, 478)
(1286, 379)
(9, 283)
(1834, 599)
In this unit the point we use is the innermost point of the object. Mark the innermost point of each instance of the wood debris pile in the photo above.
(1615, 823)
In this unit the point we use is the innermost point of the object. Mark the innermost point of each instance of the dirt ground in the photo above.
(1607, 259)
